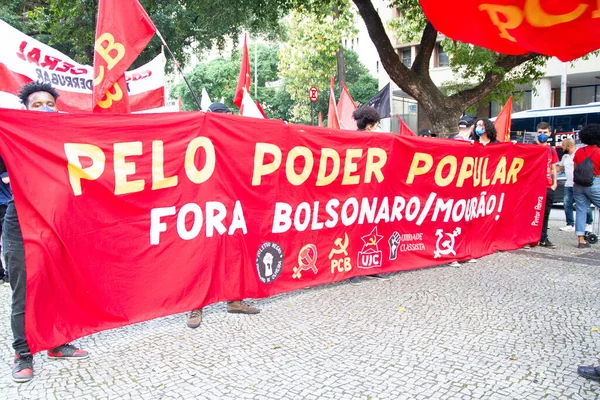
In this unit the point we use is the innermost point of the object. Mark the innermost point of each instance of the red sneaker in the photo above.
(68, 351)
(22, 368)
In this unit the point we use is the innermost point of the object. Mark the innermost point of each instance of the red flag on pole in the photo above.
(404, 129)
(502, 122)
(123, 30)
(243, 77)
(333, 121)
(345, 107)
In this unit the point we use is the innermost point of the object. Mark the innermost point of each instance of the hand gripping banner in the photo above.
(224, 207)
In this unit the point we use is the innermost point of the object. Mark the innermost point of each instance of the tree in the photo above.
(69, 25)
(219, 78)
(492, 73)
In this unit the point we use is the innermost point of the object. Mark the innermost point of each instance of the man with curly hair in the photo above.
(35, 96)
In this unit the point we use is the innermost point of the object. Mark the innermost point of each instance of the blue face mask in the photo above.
(479, 130)
(46, 109)
(542, 138)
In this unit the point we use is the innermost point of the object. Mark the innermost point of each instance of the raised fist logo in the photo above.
(394, 242)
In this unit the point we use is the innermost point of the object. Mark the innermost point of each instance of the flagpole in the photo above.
(391, 103)
(255, 70)
(180, 70)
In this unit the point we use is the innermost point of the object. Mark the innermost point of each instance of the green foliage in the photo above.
(309, 56)
(409, 27)
(69, 25)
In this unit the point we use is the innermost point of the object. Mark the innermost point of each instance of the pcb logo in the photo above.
(269, 261)
(370, 256)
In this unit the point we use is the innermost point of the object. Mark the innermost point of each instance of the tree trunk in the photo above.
(341, 66)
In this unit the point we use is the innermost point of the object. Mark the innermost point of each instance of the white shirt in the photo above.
(569, 166)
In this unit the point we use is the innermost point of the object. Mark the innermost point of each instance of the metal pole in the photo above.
(255, 70)
(563, 86)
(180, 70)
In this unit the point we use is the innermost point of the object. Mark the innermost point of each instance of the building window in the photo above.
(442, 56)
(406, 56)
(352, 44)
(377, 66)
(583, 95)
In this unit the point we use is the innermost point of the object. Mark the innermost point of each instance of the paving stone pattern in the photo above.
(512, 326)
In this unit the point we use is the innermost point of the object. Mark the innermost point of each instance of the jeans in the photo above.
(3, 272)
(12, 242)
(568, 205)
(584, 195)
(549, 201)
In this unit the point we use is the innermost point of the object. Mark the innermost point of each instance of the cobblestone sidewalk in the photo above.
(511, 326)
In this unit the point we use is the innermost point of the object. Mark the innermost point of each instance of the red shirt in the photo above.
(552, 159)
(587, 151)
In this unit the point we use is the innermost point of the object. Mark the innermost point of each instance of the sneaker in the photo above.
(454, 264)
(241, 307)
(592, 373)
(527, 246)
(67, 351)
(380, 276)
(194, 319)
(355, 280)
(471, 261)
(547, 244)
(568, 228)
(583, 246)
(22, 370)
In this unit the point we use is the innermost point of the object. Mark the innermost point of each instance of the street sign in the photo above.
(313, 94)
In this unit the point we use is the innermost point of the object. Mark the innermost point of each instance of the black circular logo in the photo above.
(269, 261)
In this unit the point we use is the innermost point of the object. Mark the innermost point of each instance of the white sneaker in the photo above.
(454, 264)
(472, 260)
(568, 228)
(588, 228)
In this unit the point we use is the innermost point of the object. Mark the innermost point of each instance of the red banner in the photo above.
(565, 29)
(123, 30)
(221, 211)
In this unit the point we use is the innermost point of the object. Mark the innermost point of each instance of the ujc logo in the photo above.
(370, 256)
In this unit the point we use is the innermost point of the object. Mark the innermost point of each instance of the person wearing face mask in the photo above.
(35, 96)
(367, 119)
(485, 132)
(543, 134)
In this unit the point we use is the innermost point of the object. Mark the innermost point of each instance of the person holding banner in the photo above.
(36, 97)
(543, 134)
(236, 307)
(466, 126)
(367, 119)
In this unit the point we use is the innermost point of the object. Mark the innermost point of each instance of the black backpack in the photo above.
(583, 174)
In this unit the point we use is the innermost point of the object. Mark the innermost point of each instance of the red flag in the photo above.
(502, 122)
(320, 119)
(123, 30)
(243, 77)
(565, 29)
(404, 129)
(259, 106)
(333, 121)
(345, 108)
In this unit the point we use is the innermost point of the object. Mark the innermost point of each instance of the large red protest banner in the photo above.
(223, 207)
(565, 29)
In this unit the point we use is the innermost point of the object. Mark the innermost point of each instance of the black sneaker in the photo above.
(22, 368)
(355, 280)
(69, 351)
(380, 276)
(547, 244)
